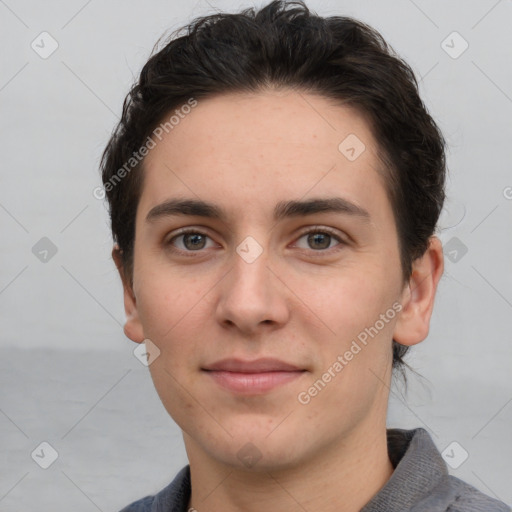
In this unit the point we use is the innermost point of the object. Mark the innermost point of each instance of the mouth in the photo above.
(252, 377)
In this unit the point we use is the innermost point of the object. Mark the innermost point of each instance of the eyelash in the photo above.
(314, 230)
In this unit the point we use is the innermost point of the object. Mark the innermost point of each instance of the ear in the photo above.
(132, 327)
(418, 296)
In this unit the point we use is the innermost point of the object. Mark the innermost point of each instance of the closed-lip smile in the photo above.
(265, 364)
(252, 377)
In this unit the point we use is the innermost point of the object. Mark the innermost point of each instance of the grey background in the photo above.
(68, 375)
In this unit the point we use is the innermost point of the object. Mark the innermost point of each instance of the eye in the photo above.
(190, 241)
(320, 239)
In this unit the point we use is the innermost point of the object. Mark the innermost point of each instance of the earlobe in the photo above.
(418, 296)
(133, 326)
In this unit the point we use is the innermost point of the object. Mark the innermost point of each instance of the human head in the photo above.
(284, 44)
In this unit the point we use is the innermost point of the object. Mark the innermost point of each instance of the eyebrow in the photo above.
(283, 209)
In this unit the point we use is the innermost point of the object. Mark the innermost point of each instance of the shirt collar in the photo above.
(418, 469)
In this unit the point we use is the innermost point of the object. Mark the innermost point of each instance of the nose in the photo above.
(252, 296)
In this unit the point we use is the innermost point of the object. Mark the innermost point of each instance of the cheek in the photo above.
(167, 302)
(346, 300)
(173, 318)
(172, 387)
(176, 315)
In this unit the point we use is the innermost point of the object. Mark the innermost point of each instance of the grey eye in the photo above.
(194, 240)
(319, 240)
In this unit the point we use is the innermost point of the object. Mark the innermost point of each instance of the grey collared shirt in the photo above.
(419, 483)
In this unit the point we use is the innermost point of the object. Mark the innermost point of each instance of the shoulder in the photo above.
(421, 481)
(173, 498)
(142, 505)
(454, 495)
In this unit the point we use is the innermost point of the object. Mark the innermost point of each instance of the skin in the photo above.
(300, 301)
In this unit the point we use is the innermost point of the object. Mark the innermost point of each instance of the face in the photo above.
(292, 262)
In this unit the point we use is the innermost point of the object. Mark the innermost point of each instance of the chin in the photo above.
(254, 457)
(256, 450)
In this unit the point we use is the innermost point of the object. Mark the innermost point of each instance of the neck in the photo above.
(342, 479)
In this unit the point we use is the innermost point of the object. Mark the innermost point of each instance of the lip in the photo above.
(252, 377)
(265, 364)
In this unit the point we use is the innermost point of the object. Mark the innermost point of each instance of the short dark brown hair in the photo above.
(284, 44)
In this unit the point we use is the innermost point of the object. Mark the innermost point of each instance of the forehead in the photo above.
(250, 151)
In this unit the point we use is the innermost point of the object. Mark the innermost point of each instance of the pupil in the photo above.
(195, 240)
(318, 237)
